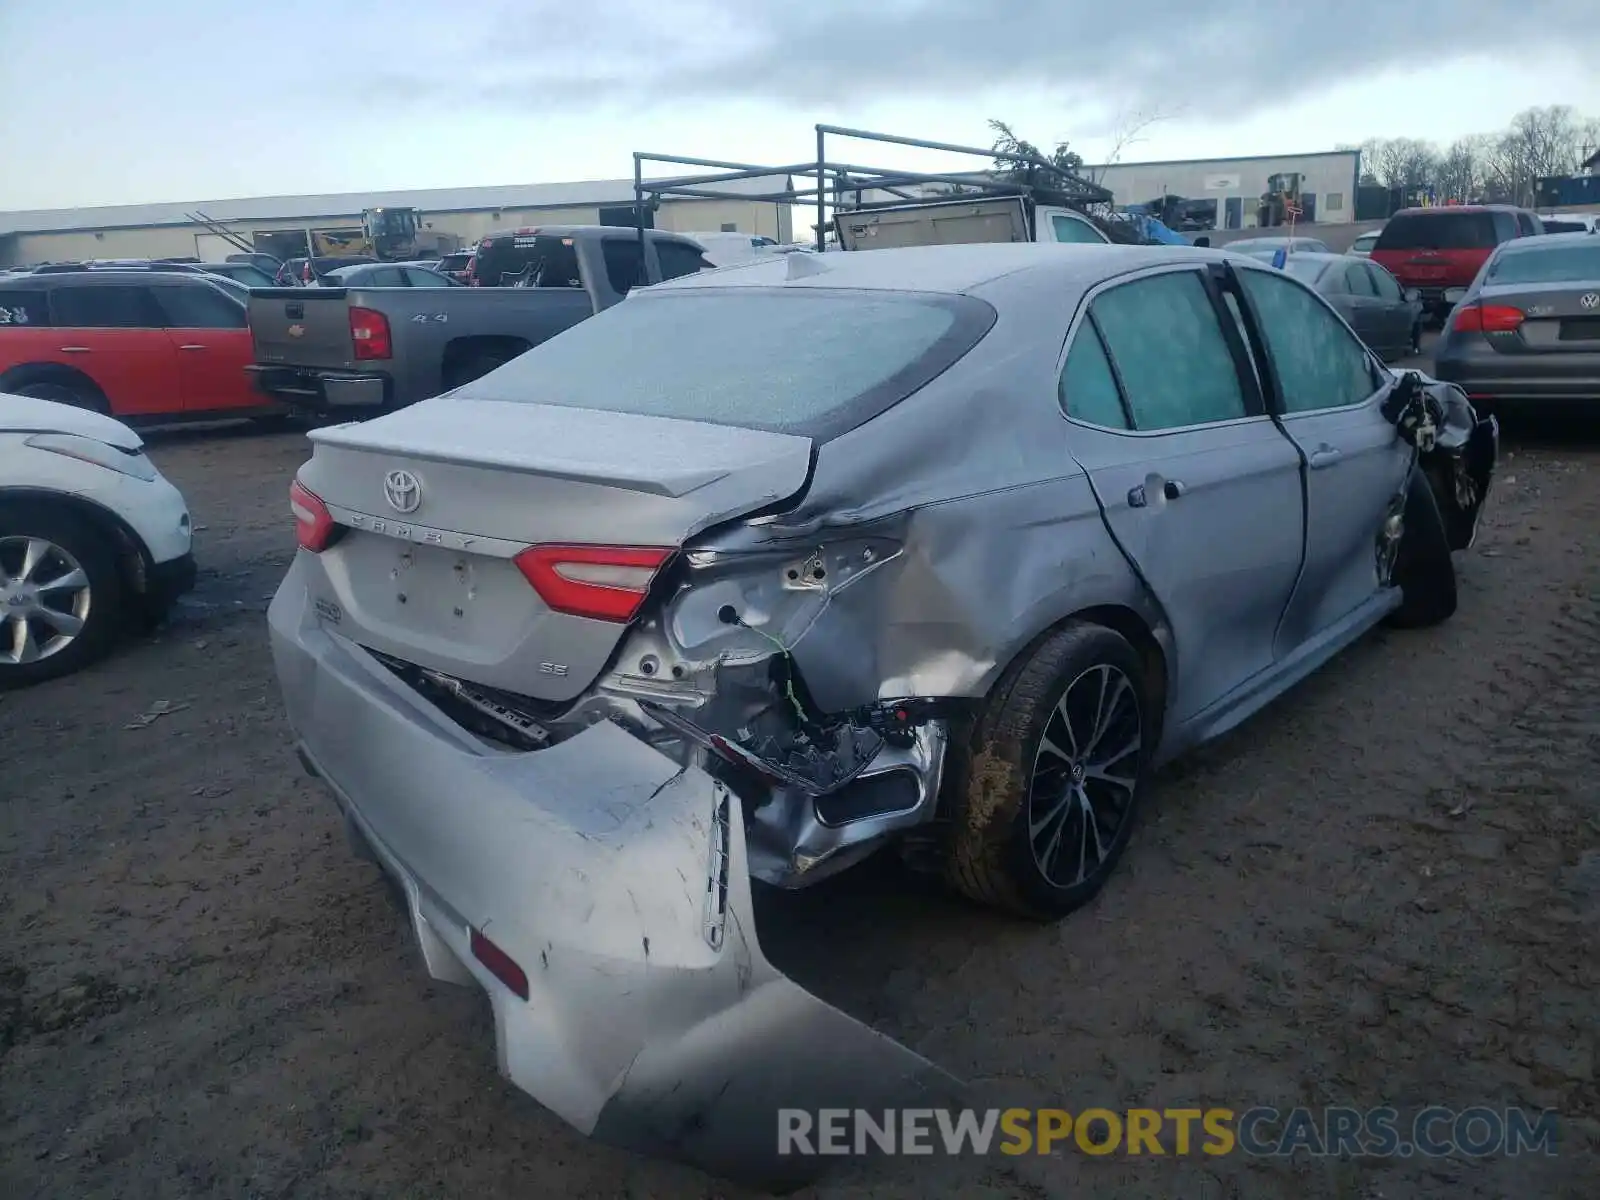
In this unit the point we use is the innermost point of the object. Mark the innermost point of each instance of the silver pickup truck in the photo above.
(323, 350)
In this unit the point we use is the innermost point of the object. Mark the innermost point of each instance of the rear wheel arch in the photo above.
(47, 375)
(468, 358)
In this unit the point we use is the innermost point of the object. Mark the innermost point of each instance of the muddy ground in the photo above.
(1382, 891)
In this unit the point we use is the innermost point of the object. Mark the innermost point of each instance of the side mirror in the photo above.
(1202, 241)
(1413, 296)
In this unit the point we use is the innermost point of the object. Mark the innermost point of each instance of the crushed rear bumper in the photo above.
(618, 882)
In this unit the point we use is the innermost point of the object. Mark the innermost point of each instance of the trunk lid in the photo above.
(302, 327)
(437, 501)
(1556, 320)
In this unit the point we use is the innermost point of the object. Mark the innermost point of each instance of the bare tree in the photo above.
(1128, 130)
(1401, 162)
(1459, 175)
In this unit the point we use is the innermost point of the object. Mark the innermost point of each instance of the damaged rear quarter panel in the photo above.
(999, 534)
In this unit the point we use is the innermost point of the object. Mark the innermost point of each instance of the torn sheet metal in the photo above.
(1456, 448)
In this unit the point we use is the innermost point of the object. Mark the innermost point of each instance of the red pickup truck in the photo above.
(142, 346)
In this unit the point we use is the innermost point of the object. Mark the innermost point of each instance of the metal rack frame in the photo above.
(830, 182)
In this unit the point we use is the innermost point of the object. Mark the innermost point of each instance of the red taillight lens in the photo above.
(501, 965)
(369, 330)
(313, 525)
(606, 583)
(1487, 318)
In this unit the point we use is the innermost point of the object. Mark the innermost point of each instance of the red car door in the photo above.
(112, 332)
(210, 337)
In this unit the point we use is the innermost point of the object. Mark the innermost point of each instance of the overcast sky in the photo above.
(108, 102)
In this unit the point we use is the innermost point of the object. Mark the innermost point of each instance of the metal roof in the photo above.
(582, 194)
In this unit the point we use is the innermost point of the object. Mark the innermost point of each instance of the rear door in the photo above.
(115, 334)
(209, 332)
(1358, 301)
(1200, 489)
(1395, 316)
(1327, 389)
(25, 333)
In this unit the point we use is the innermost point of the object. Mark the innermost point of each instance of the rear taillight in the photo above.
(313, 524)
(606, 583)
(369, 330)
(1487, 318)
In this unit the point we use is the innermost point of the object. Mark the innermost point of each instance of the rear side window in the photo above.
(1439, 231)
(200, 307)
(23, 308)
(1357, 282)
(678, 259)
(106, 307)
(1319, 363)
(1088, 390)
(624, 263)
(1162, 334)
(1526, 225)
(1551, 226)
(1388, 287)
(816, 362)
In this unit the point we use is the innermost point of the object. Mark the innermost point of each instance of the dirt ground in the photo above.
(1384, 890)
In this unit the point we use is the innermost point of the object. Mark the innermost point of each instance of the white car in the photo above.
(1362, 246)
(92, 538)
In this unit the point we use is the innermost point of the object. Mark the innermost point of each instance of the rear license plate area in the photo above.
(1579, 329)
(436, 593)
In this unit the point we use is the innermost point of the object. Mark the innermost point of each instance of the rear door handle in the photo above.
(191, 347)
(74, 349)
(1325, 456)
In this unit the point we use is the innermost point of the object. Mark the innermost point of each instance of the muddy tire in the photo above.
(64, 591)
(1423, 567)
(1044, 796)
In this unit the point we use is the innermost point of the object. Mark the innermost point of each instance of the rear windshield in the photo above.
(1565, 263)
(1307, 269)
(454, 262)
(1439, 231)
(545, 261)
(816, 362)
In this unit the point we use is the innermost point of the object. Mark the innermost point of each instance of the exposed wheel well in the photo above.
(501, 346)
(132, 556)
(26, 373)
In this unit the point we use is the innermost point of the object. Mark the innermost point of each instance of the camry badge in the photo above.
(403, 491)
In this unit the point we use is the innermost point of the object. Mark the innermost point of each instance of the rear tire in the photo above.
(52, 625)
(1037, 773)
(1423, 568)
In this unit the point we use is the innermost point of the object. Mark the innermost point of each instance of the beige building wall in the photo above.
(1330, 177)
(172, 241)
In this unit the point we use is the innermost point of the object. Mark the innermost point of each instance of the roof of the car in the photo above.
(940, 269)
(1532, 245)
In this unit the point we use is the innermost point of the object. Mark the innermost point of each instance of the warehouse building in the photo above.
(1233, 187)
(273, 223)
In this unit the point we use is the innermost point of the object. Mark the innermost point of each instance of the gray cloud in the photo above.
(1203, 60)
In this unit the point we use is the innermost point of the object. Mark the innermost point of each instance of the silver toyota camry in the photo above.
(766, 569)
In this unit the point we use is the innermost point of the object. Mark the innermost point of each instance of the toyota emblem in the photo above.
(1592, 300)
(403, 491)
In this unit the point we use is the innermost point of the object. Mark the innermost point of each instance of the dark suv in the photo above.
(1440, 250)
